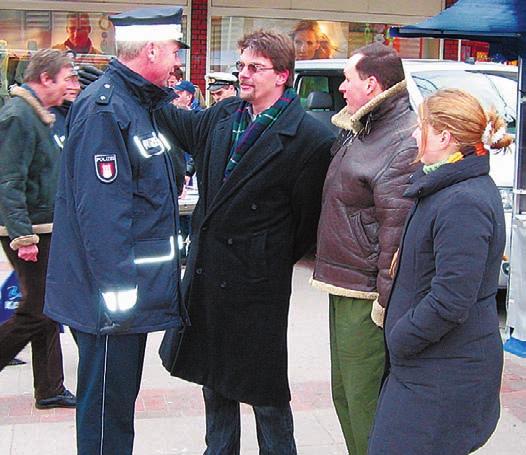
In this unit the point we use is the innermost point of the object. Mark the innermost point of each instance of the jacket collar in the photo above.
(264, 150)
(148, 94)
(380, 104)
(30, 97)
(449, 174)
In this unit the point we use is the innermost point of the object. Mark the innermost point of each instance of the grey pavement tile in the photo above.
(43, 438)
(329, 421)
(174, 436)
(310, 430)
(6, 438)
(509, 437)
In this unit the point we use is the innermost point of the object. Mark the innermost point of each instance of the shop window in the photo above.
(312, 39)
(89, 35)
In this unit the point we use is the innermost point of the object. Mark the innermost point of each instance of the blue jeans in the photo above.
(275, 429)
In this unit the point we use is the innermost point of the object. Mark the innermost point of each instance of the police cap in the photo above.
(219, 80)
(149, 24)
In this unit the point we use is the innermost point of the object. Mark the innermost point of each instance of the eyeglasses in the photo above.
(252, 68)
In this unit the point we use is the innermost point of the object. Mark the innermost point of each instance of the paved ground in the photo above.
(170, 417)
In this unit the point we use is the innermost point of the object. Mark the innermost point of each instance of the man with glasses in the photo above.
(261, 162)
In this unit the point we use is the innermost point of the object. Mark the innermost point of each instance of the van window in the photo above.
(308, 84)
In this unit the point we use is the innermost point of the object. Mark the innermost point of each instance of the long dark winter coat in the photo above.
(442, 331)
(247, 233)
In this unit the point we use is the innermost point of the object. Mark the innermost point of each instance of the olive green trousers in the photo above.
(357, 367)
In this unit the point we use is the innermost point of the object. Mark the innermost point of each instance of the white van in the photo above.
(317, 83)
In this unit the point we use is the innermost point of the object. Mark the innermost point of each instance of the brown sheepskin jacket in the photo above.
(363, 208)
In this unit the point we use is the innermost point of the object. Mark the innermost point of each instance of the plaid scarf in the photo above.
(245, 132)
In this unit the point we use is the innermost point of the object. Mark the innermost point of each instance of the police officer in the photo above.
(113, 270)
(221, 85)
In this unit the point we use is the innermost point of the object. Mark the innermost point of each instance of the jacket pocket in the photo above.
(368, 248)
(257, 257)
(156, 263)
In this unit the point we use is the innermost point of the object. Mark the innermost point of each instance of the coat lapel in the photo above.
(220, 148)
(264, 150)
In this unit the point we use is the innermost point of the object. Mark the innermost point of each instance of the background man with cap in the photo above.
(221, 85)
(29, 164)
(261, 162)
(113, 271)
(185, 92)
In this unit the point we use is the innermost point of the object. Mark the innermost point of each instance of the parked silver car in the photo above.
(317, 83)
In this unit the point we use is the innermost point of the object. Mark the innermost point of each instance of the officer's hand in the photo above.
(88, 74)
(119, 311)
(28, 253)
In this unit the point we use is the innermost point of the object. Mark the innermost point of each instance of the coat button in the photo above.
(230, 241)
(204, 228)
(199, 271)
(222, 285)
(254, 206)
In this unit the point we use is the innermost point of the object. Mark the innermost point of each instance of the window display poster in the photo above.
(313, 39)
(83, 33)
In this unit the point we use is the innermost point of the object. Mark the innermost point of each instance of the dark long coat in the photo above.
(442, 330)
(247, 233)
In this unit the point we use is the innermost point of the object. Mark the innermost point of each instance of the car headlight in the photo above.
(506, 194)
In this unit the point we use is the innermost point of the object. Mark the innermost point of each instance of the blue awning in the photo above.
(494, 21)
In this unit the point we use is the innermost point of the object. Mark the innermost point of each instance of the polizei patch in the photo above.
(106, 168)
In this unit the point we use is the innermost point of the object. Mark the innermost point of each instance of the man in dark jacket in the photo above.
(28, 179)
(362, 216)
(261, 163)
(113, 270)
(61, 112)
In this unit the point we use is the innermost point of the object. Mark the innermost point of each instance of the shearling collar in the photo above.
(47, 117)
(353, 122)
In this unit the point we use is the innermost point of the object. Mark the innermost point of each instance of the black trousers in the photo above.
(29, 324)
(108, 382)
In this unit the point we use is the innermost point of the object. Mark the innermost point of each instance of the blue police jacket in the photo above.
(115, 221)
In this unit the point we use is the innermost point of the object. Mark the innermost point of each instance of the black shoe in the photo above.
(65, 400)
(16, 361)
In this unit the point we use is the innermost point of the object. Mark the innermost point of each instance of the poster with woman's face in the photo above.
(319, 39)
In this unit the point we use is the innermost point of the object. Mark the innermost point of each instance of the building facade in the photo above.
(212, 28)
